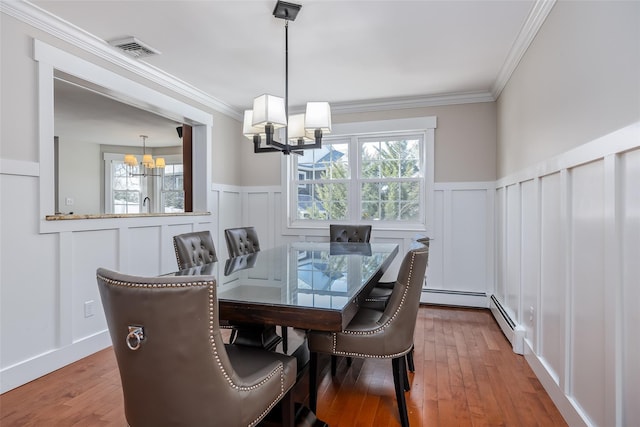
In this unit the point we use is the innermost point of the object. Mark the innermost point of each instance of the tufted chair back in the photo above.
(174, 367)
(241, 241)
(194, 249)
(349, 233)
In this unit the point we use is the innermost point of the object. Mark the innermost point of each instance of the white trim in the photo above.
(28, 370)
(402, 103)
(418, 124)
(19, 167)
(536, 18)
(570, 412)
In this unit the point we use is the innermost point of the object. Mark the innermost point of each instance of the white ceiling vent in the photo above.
(134, 47)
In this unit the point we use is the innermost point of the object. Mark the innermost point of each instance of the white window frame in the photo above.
(422, 125)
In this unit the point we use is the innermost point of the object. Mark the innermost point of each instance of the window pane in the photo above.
(172, 192)
(329, 162)
(125, 201)
(390, 200)
(370, 210)
(409, 169)
(322, 201)
(409, 211)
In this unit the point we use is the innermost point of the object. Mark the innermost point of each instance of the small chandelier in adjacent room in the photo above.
(301, 131)
(148, 162)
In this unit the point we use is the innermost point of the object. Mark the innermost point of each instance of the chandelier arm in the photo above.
(286, 79)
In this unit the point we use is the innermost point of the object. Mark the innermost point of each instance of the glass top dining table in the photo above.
(307, 285)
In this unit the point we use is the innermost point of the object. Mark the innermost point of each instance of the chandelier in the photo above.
(148, 162)
(270, 113)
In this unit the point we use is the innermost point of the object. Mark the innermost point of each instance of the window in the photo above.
(128, 192)
(382, 177)
(126, 195)
(172, 191)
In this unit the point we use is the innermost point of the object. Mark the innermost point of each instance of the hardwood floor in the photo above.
(466, 375)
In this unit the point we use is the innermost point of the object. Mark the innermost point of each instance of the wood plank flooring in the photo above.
(466, 375)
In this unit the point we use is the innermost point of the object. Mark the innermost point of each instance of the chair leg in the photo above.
(285, 340)
(287, 410)
(232, 338)
(313, 381)
(349, 361)
(412, 367)
(405, 375)
(397, 366)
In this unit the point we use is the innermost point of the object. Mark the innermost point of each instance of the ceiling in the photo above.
(349, 52)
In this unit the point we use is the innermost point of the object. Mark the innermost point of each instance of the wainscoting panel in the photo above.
(552, 276)
(83, 277)
(588, 287)
(512, 252)
(259, 214)
(628, 318)
(530, 259)
(568, 233)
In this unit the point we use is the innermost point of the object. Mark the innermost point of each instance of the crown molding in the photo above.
(67, 32)
(412, 102)
(530, 28)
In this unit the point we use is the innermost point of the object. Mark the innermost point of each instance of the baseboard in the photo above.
(570, 412)
(514, 332)
(28, 370)
(454, 298)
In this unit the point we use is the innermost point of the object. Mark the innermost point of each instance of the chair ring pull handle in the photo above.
(135, 337)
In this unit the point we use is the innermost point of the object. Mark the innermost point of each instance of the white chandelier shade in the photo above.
(318, 116)
(269, 109)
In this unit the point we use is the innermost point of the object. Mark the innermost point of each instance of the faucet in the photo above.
(144, 203)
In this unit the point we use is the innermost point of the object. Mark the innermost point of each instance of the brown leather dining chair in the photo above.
(379, 296)
(174, 368)
(244, 241)
(380, 335)
(347, 233)
(241, 241)
(196, 249)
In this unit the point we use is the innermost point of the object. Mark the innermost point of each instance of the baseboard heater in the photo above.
(454, 298)
(514, 332)
(450, 292)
